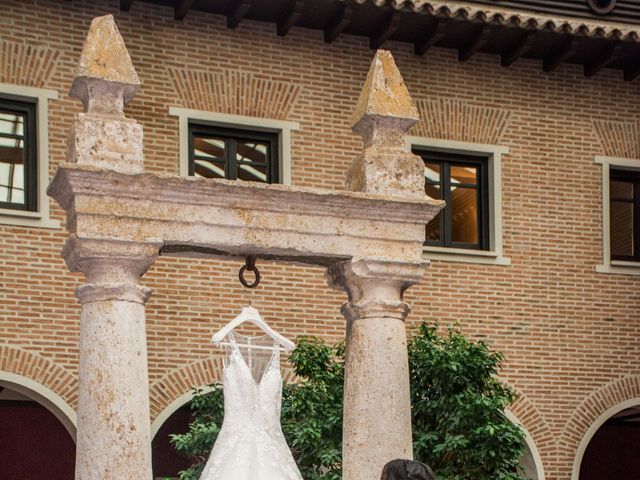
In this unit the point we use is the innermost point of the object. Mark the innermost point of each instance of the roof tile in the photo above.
(496, 15)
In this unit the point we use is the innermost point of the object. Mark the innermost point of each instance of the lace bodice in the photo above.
(251, 445)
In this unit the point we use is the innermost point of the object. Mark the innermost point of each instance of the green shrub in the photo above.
(312, 409)
(457, 403)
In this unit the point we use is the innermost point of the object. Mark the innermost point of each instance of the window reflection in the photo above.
(255, 173)
(217, 152)
(464, 215)
(464, 175)
(209, 147)
(461, 181)
(12, 158)
(432, 172)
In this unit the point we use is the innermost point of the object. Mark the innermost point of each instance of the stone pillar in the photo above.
(113, 437)
(377, 404)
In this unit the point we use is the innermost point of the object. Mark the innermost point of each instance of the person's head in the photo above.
(407, 470)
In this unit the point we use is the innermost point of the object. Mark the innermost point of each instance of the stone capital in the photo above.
(375, 288)
(112, 268)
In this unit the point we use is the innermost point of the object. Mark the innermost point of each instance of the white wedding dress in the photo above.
(250, 445)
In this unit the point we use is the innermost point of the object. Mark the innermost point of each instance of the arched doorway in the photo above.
(613, 445)
(34, 443)
(166, 461)
(530, 462)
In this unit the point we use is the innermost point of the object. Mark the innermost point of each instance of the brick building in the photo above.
(528, 129)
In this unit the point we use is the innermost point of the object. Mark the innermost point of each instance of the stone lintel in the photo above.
(302, 224)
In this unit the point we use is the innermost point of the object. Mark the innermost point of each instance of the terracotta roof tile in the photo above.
(510, 17)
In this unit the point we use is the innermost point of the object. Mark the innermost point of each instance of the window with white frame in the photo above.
(620, 215)
(24, 156)
(235, 147)
(468, 177)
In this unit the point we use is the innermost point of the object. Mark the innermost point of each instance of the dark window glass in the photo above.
(18, 161)
(624, 214)
(234, 154)
(462, 182)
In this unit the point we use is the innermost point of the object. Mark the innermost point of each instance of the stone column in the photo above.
(113, 438)
(377, 404)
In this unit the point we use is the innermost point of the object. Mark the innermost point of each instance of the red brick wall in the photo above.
(569, 334)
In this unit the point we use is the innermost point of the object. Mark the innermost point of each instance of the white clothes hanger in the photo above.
(250, 314)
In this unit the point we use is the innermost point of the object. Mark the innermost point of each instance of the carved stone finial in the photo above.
(105, 80)
(384, 100)
(384, 113)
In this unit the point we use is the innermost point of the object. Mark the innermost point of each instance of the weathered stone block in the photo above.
(108, 142)
(396, 174)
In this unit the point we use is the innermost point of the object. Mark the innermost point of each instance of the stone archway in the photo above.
(37, 430)
(174, 419)
(538, 436)
(40, 378)
(592, 413)
(534, 423)
(609, 449)
(175, 388)
(531, 461)
(369, 238)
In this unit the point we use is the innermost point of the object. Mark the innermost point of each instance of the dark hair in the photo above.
(407, 470)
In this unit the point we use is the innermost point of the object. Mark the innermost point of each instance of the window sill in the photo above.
(19, 218)
(619, 267)
(465, 256)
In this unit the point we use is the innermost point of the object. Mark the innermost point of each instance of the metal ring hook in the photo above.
(249, 265)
